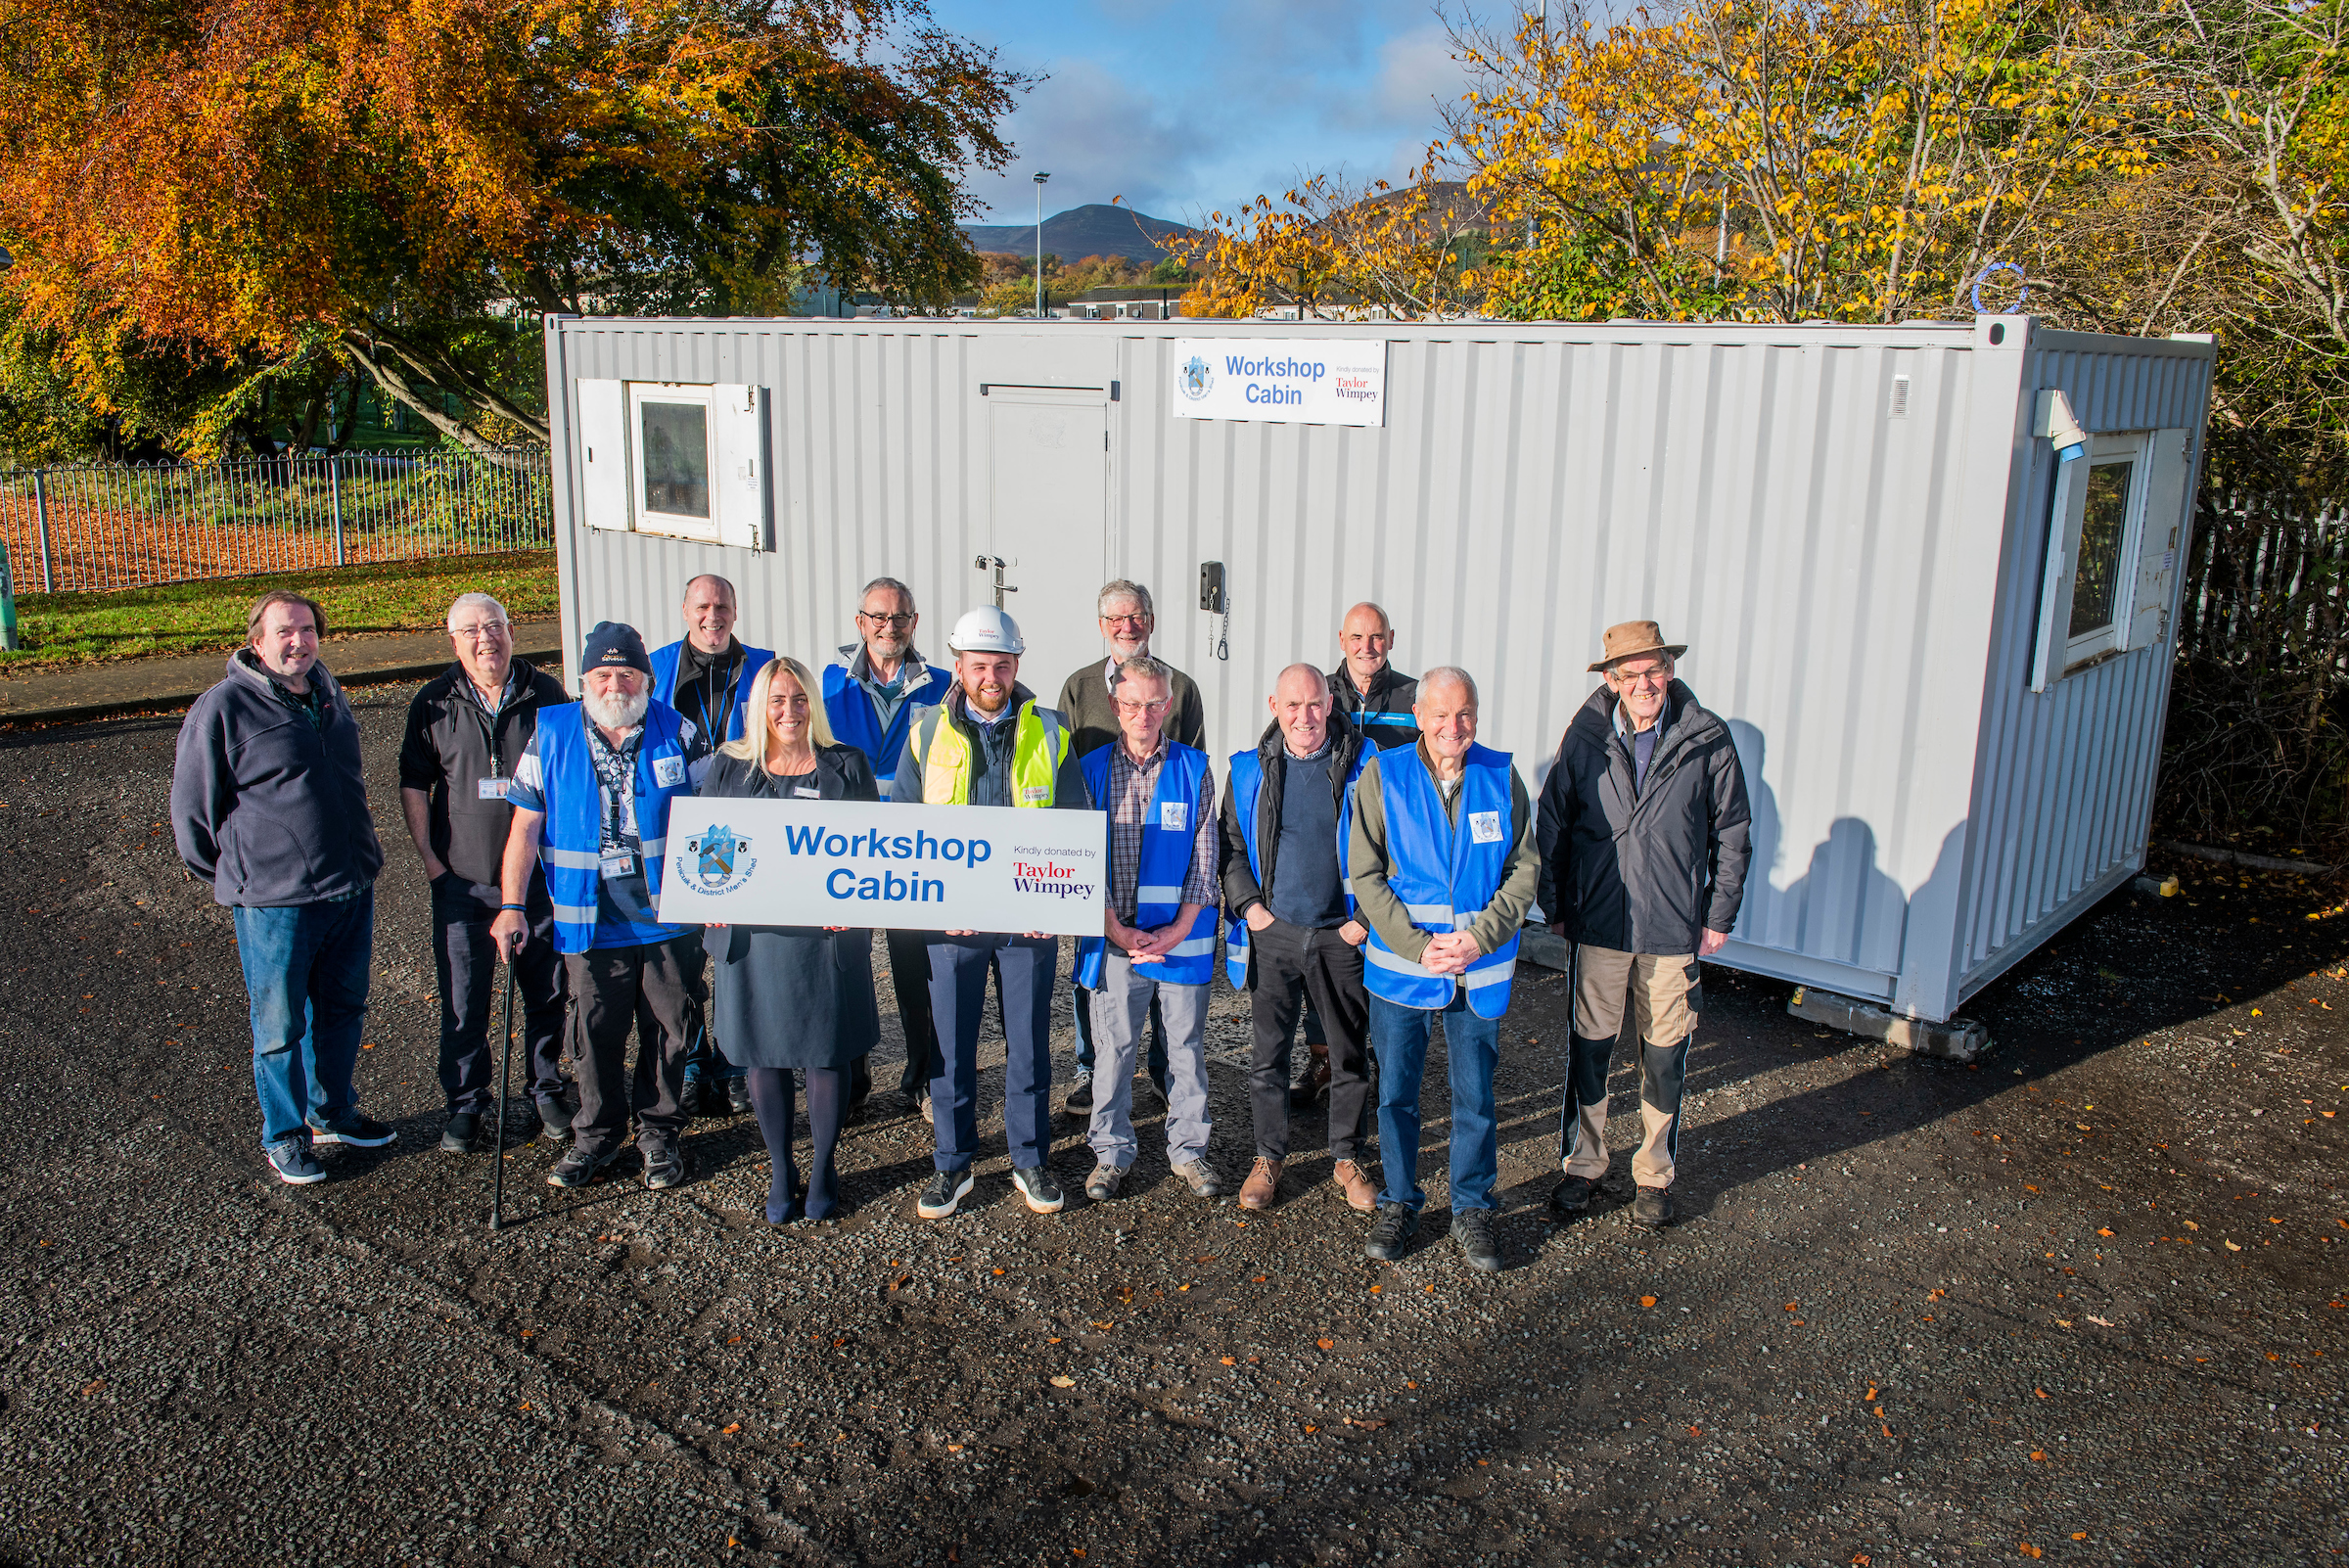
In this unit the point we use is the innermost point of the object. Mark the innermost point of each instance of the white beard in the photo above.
(619, 713)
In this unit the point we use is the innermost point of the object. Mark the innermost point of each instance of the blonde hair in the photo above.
(756, 729)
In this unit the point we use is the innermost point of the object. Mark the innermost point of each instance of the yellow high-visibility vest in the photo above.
(1037, 749)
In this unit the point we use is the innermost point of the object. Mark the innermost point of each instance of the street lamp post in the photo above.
(1039, 245)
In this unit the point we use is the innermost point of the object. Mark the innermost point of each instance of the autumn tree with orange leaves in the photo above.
(277, 189)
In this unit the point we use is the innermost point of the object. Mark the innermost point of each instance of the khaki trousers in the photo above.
(1666, 995)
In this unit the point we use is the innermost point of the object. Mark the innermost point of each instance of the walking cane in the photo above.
(505, 1067)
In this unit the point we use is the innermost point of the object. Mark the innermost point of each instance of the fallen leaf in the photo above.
(1371, 1422)
(2232, 1247)
(2026, 1549)
(2079, 1535)
(1312, 1429)
(2105, 1232)
(1647, 1301)
(2064, 1323)
(953, 1448)
(2039, 1453)
(2029, 1188)
(1325, 1344)
(1229, 1361)
(1860, 1559)
(729, 1431)
(903, 1281)
(2099, 1323)
(1696, 1431)
(999, 1274)
(1375, 1289)
(2191, 1225)
(2043, 1393)
(1792, 1305)
(1060, 1380)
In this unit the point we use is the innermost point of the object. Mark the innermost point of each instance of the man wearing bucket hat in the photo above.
(990, 744)
(1644, 835)
(592, 795)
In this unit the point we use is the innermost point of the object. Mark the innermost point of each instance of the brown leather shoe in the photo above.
(1263, 1182)
(1362, 1194)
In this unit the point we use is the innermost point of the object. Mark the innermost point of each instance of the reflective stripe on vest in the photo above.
(1166, 859)
(664, 662)
(1037, 749)
(855, 722)
(1247, 785)
(1445, 878)
(571, 836)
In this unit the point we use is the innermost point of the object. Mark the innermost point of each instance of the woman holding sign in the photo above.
(793, 997)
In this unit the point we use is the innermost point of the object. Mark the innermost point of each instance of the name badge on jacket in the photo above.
(669, 772)
(491, 789)
(1173, 817)
(1483, 827)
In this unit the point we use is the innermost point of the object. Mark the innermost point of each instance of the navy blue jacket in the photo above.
(266, 806)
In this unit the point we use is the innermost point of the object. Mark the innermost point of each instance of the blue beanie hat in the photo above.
(611, 643)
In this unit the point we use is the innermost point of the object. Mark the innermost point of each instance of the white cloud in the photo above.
(1101, 137)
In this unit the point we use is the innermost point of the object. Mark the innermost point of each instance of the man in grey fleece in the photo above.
(269, 805)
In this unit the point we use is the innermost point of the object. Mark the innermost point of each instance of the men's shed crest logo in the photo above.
(716, 861)
(1196, 377)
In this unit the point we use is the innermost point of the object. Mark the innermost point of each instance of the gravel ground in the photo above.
(2082, 1302)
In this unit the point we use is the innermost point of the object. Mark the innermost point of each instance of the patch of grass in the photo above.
(186, 617)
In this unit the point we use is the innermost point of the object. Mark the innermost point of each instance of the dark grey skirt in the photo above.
(789, 997)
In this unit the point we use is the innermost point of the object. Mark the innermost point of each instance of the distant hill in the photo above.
(1096, 229)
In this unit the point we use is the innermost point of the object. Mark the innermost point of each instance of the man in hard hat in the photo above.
(1646, 836)
(706, 677)
(1443, 866)
(989, 743)
(871, 697)
(1126, 619)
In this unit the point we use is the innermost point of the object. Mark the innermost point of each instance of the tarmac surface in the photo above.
(2081, 1303)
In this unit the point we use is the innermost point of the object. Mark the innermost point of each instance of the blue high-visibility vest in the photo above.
(849, 707)
(1247, 787)
(1166, 838)
(572, 839)
(1444, 878)
(665, 684)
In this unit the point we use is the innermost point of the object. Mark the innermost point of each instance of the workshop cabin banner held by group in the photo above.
(1295, 380)
(813, 862)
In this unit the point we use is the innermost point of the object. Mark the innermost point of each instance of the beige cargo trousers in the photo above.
(1665, 995)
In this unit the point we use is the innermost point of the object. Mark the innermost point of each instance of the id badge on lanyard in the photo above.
(616, 863)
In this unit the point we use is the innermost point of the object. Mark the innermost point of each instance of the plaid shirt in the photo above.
(1133, 786)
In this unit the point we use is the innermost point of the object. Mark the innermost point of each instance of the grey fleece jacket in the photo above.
(268, 806)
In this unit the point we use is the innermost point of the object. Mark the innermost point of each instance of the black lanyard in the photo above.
(489, 722)
(716, 720)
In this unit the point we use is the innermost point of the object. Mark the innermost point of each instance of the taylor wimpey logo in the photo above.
(1049, 876)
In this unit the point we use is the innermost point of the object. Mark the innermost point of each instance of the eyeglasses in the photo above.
(1125, 620)
(1644, 677)
(1158, 707)
(898, 621)
(476, 632)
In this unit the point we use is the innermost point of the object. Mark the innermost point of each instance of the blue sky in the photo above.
(1185, 105)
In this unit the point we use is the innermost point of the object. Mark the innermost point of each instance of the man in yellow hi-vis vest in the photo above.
(989, 743)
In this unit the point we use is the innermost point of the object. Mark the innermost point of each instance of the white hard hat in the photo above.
(985, 630)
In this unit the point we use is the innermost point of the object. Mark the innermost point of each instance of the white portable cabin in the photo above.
(1945, 653)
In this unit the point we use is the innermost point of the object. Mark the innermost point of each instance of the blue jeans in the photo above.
(305, 974)
(1471, 1050)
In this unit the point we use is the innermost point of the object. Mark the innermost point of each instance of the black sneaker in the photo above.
(1393, 1227)
(738, 1096)
(944, 1194)
(1081, 1096)
(1652, 1210)
(1039, 1190)
(664, 1165)
(357, 1130)
(1472, 1229)
(689, 1099)
(575, 1168)
(1572, 1194)
(554, 1121)
(463, 1128)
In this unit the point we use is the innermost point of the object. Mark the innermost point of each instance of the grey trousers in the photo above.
(1121, 1011)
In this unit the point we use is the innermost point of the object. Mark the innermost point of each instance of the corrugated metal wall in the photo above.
(1833, 568)
(2068, 775)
